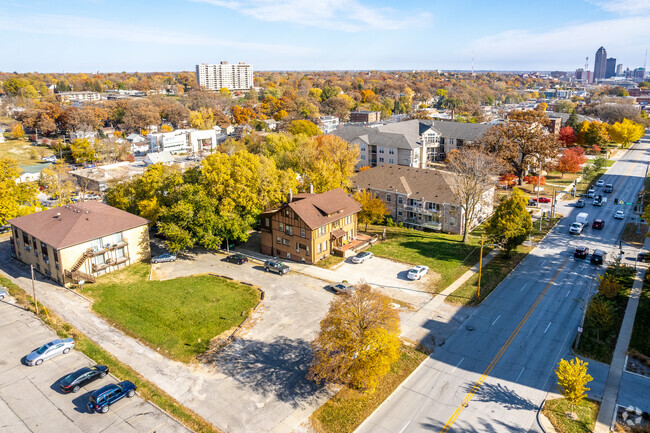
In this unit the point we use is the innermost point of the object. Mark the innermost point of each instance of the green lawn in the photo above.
(443, 253)
(22, 151)
(177, 316)
(587, 412)
(640, 341)
(345, 411)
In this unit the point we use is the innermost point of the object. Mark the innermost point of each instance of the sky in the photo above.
(175, 35)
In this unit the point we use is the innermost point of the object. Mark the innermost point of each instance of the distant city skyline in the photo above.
(176, 35)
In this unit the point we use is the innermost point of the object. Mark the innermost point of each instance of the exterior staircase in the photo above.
(74, 273)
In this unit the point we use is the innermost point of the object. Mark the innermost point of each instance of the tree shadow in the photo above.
(277, 368)
(482, 425)
(501, 394)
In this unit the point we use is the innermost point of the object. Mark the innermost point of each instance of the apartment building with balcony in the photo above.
(75, 243)
(310, 227)
(422, 198)
(224, 75)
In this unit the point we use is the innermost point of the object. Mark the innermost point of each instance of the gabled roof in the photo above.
(69, 225)
(464, 131)
(156, 157)
(319, 209)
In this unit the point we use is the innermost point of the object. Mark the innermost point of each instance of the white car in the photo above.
(417, 272)
(49, 350)
(619, 215)
(92, 197)
(600, 183)
(362, 257)
(576, 228)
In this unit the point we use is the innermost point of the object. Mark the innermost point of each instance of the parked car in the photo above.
(74, 381)
(50, 158)
(50, 350)
(101, 399)
(598, 224)
(92, 197)
(417, 272)
(598, 257)
(576, 228)
(166, 257)
(362, 257)
(580, 203)
(608, 188)
(581, 252)
(532, 202)
(276, 266)
(619, 215)
(341, 288)
(600, 183)
(193, 158)
(640, 257)
(89, 166)
(237, 259)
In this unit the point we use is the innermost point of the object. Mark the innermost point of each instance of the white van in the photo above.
(583, 218)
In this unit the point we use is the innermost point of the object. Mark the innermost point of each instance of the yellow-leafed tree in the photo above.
(358, 340)
(373, 209)
(16, 199)
(626, 132)
(572, 379)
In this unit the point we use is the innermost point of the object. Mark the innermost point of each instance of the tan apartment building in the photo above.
(75, 243)
(310, 227)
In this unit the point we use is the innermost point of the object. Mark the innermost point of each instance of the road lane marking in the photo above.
(583, 266)
(522, 287)
(547, 326)
(495, 320)
(567, 293)
(155, 428)
(404, 428)
(522, 370)
(500, 353)
(461, 360)
(543, 263)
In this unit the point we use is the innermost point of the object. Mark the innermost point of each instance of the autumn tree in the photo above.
(571, 160)
(511, 223)
(16, 199)
(597, 134)
(83, 150)
(327, 162)
(572, 379)
(567, 136)
(625, 132)
(358, 340)
(373, 209)
(475, 173)
(57, 182)
(241, 115)
(305, 127)
(609, 286)
(139, 114)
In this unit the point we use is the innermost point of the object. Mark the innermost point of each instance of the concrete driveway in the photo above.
(29, 396)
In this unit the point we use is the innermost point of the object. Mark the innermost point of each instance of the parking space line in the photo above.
(522, 287)
(461, 360)
(155, 428)
(120, 407)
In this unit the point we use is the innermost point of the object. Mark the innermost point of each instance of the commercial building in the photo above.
(78, 96)
(76, 243)
(328, 123)
(600, 64)
(183, 141)
(610, 69)
(224, 75)
(310, 227)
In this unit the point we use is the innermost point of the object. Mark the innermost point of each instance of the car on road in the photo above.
(591, 193)
(417, 272)
(598, 201)
(600, 183)
(362, 257)
(101, 399)
(580, 203)
(341, 288)
(598, 257)
(576, 228)
(276, 266)
(237, 259)
(542, 199)
(92, 197)
(165, 257)
(581, 252)
(74, 381)
(619, 215)
(608, 188)
(49, 350)
(598, 224)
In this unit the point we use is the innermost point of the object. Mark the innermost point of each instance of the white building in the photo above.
(202, 140)
(79, 96)
(173, 142)
(328, 123)
(232, 77)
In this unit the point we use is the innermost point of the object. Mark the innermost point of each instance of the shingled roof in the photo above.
(69, 225)
(317, 210)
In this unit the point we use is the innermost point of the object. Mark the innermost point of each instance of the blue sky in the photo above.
(175, 35)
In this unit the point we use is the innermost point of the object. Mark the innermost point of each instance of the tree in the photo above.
(241, 115)
(83, 150)
(139, 114)
(567, 136)
(474, 173)
(609, 286)
(572, 379)
(16, 199)
(166, 128)
(304, 127)
(57, 182)
(571, 160)
(358, 340)
(597, 134)
(326, 162)
(373, 209)
(626, 132)
(511, 223)
(600, 316)
(572, 121)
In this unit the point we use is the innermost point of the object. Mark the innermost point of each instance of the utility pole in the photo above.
(480, 268)
(34, 289)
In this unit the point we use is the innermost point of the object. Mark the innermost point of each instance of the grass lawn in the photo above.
(556, 178)
(348, 408)
(146, 389)
(587, 412)
(443, 253)
(640, 341)
(329, 262)
(597, 343)
(177, 316)
(21, 150)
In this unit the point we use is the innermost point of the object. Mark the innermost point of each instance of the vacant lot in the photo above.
(23, 152)
(177, 316)
(445, 254)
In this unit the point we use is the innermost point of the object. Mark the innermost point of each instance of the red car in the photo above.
(542, 199)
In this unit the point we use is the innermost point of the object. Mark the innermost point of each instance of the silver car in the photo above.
(49, 350)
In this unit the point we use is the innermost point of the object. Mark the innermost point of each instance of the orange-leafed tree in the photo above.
(571, 160)
(568, 136)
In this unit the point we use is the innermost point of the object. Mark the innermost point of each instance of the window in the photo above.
(391, 161)
(400, 200)
(363, 157)
(452, 221)
(267, 222)
(281, 227)
(297, 247)
(321, 230)
(399, 213)
(319, 248)
(362, 147)
(302, 233)
(278, 240)
(335, 224)
(307, 249)
(381, 149)
(381, 159)
(289, 230)
(442, 140)
(119, 253)
(391, 151)
(286, 242)
(286, 212)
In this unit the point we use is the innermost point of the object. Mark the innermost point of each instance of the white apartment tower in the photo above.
(232, 77)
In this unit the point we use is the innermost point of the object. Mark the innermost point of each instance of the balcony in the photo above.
(108, 247)
(420, 210)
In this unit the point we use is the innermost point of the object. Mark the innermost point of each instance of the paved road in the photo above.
(495, 371)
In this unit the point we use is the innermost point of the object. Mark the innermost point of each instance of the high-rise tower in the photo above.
(600, 64)
(610, 71)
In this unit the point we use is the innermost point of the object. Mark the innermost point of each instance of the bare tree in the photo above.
(474, 171)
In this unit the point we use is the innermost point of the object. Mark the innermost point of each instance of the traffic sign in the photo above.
(628, 203)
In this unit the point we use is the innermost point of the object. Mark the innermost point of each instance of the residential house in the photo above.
(272, 124)
(76, 243)
(328, 123)
(164, 157)
(422, 198)
(136, 139)
(310, 227)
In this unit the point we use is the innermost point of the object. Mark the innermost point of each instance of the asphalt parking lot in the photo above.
(29, 397)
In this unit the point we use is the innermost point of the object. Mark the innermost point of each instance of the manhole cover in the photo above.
(469, 327)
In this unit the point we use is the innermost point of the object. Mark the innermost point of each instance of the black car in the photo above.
(598, 257)
(581, 252)
(101, 399)
(598, 224)
(74, 381)
(238, 259)
(276, 266)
